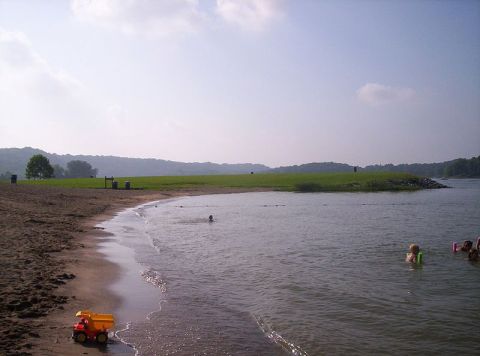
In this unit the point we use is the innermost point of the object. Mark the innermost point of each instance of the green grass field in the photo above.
(304, 182)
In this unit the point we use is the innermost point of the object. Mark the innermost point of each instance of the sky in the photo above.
(277, 82)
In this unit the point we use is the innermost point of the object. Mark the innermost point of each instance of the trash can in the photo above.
(13, 179)
(127, 185)
(114, 185)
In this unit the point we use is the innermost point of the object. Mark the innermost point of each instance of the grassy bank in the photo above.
(308, 182)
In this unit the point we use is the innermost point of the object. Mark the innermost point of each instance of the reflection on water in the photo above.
(306, 273)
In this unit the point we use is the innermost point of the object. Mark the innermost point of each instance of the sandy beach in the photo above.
(50, 264)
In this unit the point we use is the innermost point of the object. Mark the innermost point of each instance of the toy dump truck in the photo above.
(92, 326)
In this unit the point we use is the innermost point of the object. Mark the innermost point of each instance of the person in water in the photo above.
(412, 254)
(473, 255)
(466, 246)
(210, 218)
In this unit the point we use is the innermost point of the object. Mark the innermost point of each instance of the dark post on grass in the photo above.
(13, 179)
(110, 179)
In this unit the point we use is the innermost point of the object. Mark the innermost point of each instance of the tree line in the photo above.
(39, 167)
(459, 168)
(464, 168)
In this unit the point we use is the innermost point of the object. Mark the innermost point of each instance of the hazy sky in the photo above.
(262, 81)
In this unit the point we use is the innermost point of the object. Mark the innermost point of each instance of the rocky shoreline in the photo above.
(428, 183)
(425, 183)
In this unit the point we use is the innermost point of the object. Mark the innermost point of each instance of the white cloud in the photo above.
(24, 72)
(375, 94)
(250, 15)
(145, 17)
(38, 103)
(116, 115)
(15, 49)
(42, 106)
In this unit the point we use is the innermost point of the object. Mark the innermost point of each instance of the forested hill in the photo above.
(14, 160)
(421, 169)
(325, 167)
(460, 168)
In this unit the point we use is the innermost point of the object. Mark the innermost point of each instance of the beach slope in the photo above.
(48, 258)
(50, 262)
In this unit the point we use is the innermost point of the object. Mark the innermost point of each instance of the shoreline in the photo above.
(51, 240)
(45, 213)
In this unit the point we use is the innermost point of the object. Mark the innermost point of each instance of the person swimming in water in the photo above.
(414, 249)
(473, 255)
(210, 218)
(466, 246)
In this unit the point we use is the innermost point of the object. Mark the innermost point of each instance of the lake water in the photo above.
(303, 274)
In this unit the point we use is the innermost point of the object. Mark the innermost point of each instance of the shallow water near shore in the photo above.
(303, 274)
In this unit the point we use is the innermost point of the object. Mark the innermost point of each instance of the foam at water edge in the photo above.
(126, 328)
(278, 339)
(140, 212)
(155, 279)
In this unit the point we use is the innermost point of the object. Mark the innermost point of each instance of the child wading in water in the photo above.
(466, 246)
(412, 255)
(473, 255)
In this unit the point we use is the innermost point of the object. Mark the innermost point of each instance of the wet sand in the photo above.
(50, 264)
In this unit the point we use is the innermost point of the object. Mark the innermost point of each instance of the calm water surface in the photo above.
(304, 274)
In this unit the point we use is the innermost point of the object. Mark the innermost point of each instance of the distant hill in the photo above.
(14, 160)
(460, 168)
(421, 169)
(325, 167)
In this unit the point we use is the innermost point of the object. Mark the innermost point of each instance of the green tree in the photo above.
(80, 169)
(464, 168)
(59, 171)
(39, 167)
